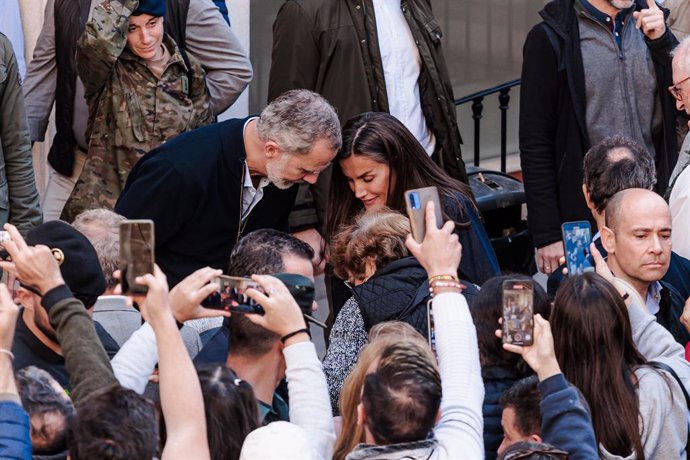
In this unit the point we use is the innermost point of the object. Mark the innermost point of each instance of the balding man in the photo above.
(637, 237)
(678, 192)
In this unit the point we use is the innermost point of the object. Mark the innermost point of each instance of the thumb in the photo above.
(414, 247)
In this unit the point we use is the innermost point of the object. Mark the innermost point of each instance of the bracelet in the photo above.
(445, 284)
(7, 352)
(292, 334)
(444, 278)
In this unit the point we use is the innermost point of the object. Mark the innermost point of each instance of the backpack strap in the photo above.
(555, 44)
(668, 369)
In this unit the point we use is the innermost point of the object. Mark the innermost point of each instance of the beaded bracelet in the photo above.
(7, 352)
(445, 284)
(444, 278)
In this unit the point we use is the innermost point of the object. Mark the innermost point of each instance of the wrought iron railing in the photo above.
(477, 100)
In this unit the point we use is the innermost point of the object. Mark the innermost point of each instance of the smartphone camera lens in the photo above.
(414, 200)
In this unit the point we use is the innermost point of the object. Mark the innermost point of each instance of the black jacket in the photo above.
(191, 187)
(399, 291)
(496, 381)
(553, 133)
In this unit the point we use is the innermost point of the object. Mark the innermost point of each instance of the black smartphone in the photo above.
(431, 329)
(518, 312)
(415, 203)
(231, 295)
(577, 236)
(136, 254)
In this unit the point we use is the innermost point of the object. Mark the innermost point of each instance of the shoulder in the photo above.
(657, 388)
(6, 51)
(314, 10)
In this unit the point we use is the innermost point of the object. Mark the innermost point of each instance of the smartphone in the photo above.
(431, 330)
(231, 295)
(415, 202)
(577, 236)
(136, 254)
(518, 312)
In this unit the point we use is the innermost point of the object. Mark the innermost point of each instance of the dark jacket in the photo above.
(331, 47)
(399, 291)
(553, 132)
(496, 381)
(195, 201)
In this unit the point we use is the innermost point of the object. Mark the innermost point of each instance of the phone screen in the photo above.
(231, 295)
(136, 253)
(415, 203)
(518, 312)
(577, 237)
(431, 329)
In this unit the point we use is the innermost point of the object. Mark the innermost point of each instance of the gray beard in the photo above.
(621, 4)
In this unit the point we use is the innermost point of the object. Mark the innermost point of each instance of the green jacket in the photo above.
(19, 203)
(130, 110)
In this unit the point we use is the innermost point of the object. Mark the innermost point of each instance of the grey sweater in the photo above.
(663, 412)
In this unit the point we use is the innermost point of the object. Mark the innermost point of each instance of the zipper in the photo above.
(241, 223)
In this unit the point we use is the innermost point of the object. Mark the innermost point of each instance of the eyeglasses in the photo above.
(675, 89)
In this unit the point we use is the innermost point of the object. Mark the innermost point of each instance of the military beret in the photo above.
(152, 7)
(79, 264)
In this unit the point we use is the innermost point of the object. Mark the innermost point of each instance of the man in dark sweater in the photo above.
(591, 69)
(241, 180)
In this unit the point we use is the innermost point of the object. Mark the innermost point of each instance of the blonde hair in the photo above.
(381, 337)
(376, 235)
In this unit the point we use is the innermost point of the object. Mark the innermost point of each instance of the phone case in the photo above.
(518, 312)
(577, 237)
(415, 202)
(137, 247)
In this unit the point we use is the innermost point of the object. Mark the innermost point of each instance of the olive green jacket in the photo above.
(130, 110)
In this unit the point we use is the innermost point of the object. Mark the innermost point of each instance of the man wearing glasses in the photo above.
(592, 69)
(678, 193)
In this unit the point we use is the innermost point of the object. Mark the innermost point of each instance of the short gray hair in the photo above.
(297, 119)
(681, 52)
(102, 228)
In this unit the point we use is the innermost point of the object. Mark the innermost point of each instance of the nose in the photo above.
(144, 36)
(679, 103)
(359, 189)
(657, 247)
(311, 178)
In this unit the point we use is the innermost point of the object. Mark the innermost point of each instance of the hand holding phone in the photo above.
(232, 295)
(577, 236)
(518, 312)
(415, 203)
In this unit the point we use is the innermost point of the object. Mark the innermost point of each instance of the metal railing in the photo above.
(477, 100)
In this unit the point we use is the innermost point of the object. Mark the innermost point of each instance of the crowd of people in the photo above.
(419, 363)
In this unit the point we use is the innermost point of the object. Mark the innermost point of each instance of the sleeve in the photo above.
(308, 391)
(11, 26)
(85, 359)
(295, 57)
(41, 77)
(460, 429)
(657, 344)
(211, 41)
(679, 202)
(24, 207)
(15, 441)
(538, 124)
(100, 45)
(348, 337)
(565, 420)
(136, 360)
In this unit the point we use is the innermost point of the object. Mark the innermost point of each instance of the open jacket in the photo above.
(131, 111)
(553, 131)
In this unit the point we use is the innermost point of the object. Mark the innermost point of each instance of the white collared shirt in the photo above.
(654, 298)
(251, 195)
(401, 67)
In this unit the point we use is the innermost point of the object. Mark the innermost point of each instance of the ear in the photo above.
(361, 415)
(535, 438)
(438, 416)
(25, 298)
(608, 239)
(271, 149)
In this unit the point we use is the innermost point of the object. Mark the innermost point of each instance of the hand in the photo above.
(548, 257)
(185, 298)
(35, 266)
(440, 252)
(541, 355)
(8, 318)
(650, 20)
(283, 315)
(685, 317)
(154, 307)
(314, 239)
(600, 265)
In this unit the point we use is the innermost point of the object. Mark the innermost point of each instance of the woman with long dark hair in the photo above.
(604, 349)
(379, 160)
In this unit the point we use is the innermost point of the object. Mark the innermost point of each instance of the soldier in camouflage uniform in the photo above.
(141, 91)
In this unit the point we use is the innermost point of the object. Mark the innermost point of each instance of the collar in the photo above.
(416, 449)
(654, 297)
(603, 17)
(278, 410)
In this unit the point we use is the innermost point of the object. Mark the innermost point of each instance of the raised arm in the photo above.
(181, 399)
(25, 211)
(100, 45)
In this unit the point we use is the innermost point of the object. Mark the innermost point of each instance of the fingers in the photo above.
(414, 247)
(213, 313)
(513, 348)
(6, 299)
(430, 216)
(16, 237)
(652, 5)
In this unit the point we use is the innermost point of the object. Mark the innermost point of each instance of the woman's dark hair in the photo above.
(593, 342)
(386, 140)
(487, 308)
(231, 410)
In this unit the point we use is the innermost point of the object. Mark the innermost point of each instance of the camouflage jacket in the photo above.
(130, 110)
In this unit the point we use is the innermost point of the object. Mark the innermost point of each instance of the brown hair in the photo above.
(381, 337)
(377, 235)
